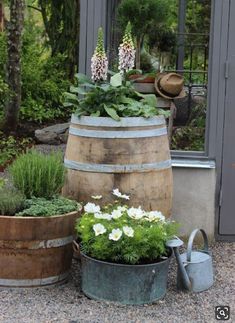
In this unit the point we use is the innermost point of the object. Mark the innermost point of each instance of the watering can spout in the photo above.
(175, 244)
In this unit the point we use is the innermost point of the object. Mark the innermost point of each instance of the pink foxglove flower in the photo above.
(126, 51)
(99, 61)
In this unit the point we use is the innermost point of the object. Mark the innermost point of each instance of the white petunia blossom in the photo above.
(155, 216)
(99, 61)
(135, 213)
(115, 235)
(116, 214)
(128, 231)
(103, 216)
(117, 193)
(92, 208)
(97, 197)
(99, 229)
(126, 51)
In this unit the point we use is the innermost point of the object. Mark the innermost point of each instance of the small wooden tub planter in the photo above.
(36, 251)
(132, 155)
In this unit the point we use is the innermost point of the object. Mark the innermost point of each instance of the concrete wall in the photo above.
(194, 199)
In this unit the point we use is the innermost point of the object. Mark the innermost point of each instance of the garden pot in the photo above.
(36, 251)
(125, 284)
(132, 155)
(143, 84)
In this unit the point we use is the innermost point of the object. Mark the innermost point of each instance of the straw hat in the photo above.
(170, 86)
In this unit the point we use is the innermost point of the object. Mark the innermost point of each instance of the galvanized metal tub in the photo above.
(125, 284)
(131, 154)
(36, 251)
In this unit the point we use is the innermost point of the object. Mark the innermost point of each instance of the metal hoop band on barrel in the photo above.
(124, 122)
(108, 168)
(37, 244)
(33, 282)
(118, 134)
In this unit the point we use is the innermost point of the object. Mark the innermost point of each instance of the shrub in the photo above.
(44, 207)
(44, 79)
(124, 235)
(10, 147)
(38, 175)
(11, 201)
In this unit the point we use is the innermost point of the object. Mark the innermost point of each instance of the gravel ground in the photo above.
(67, 304)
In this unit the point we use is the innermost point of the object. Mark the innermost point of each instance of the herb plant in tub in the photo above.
(37, 227)
(123, 252)
(117, 137)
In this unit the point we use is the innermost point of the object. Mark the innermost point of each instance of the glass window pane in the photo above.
(173, 37)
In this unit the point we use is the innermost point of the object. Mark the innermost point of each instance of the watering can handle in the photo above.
(190, 242)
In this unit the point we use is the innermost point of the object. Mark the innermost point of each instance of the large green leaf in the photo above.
(116, 80)
(112, 113)
(95, 114)
(82, 78)
(77, 90)
(150, 99)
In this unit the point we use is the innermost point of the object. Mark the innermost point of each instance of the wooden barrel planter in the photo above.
(132, 155)
(36, 251)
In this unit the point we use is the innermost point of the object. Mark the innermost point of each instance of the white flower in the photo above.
(99, 229)
(126, 51)
(99, 61)
(154, 216)
(135, 213)
(104, 216)
(91, 208)
(128, 231)
(96, 197)
(122, 208)
(117, 193)
(115, 235)
(116, 214)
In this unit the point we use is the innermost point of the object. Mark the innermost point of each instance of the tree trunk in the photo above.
(1, 16)
(138, 45)
(14, 30)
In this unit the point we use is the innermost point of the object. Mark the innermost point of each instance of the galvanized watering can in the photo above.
(195, 270)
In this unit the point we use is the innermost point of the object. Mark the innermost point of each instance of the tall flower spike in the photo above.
(99, 61)
(126, 51)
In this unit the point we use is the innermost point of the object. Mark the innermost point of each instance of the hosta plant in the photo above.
(121, 234)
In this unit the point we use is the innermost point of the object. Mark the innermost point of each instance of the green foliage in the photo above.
(192, 136)
(11, 201)
(144, 241)
(112, 99)
(10, 147)
(38, 175)
(3, 54)
(61, 22)
(142, 14)
(164, 38)
(5, 94)
(44, 207)
(43, 79)
(146, 64)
